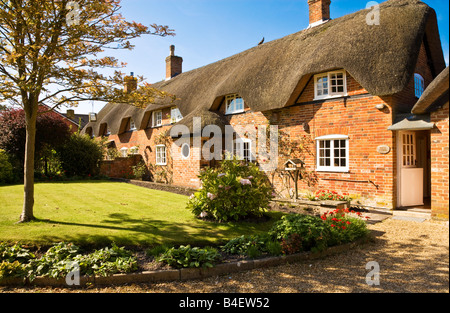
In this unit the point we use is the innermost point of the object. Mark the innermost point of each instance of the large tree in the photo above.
(51, 52)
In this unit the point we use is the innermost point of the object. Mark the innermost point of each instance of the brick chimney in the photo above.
(319, 12)
(70, 113)
(130, 83)
(174, 64)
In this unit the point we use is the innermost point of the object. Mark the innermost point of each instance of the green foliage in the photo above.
(252, 245)
(186, 256)
(15, 253)
(59, 259)
(232, 191)
(345, 226)
(313, 232)
(139, 170)
(6, 169)
(12, 270)
(80, 155)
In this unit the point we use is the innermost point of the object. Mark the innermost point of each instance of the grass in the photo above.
(96, 213)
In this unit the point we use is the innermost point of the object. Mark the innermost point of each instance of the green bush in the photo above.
(252, 245)
(313, 232)
(13, 269)
(6, 169)
(345, 226)
(186, 256)
(15, 253)
(231, 192)
(80, 155)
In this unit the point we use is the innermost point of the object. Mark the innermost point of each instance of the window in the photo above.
(124, 152)
(332, 153)
(132, 125)
(419, 85)
(242, 149)
(329, 85)
(234, 104)
(409, 149)
(134, 150)
(185, 151)
(161, 155)
(157, 119)
(175, 115)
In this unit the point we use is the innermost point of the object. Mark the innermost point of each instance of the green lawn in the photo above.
(100, 212)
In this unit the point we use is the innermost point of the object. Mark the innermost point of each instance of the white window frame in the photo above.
(240, 154)
(329, 93)
(161, 157)
(157, 118)
(132, 125)
(230, 104)
(124, 152)
(419, 85)
(332, 167)
(175, 115)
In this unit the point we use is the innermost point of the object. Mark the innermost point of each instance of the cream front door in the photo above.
(411, 176)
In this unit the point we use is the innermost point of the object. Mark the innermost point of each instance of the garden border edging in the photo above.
(185, 274)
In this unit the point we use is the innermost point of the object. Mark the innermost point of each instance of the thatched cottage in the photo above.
(341, 93)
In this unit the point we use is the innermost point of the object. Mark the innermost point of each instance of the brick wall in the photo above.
(440, 163)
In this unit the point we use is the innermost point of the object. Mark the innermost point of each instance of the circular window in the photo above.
(185, 150)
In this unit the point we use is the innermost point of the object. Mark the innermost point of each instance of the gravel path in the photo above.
(412, 256)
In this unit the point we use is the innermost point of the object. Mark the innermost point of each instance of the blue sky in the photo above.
(211, 30)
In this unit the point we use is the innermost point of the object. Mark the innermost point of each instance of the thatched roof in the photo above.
(207, 118)
(436, 92)
(381, 58)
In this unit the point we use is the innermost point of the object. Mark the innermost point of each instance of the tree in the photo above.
(51, 131)
(50, 54)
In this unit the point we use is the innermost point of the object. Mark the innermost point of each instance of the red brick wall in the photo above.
(440, 163)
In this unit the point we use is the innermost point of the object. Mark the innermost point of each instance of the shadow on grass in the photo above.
(150, 232)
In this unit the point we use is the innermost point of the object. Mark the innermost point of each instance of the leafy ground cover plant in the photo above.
(232, 191)
(314, 233)
(59, 259)
(187, 256)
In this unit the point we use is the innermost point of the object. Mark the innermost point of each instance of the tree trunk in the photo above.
(28, 204)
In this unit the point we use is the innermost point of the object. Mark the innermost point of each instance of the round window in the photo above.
(185, 150)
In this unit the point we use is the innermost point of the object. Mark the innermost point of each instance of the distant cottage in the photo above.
(347, 86)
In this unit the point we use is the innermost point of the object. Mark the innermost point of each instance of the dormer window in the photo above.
(234, 104)
(419, 85)
(175, 115)
(132, 125)
(157, 118)
(330, 85)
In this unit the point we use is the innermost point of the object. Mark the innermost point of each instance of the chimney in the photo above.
(319, 12)
(174, 64)
(130, 83)
(70, 114)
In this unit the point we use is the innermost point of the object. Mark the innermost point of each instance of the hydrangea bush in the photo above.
(232, 191)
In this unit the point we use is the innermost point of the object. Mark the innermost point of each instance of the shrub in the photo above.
(6, 169)
(291, 244)
(325, 194)
(312, 230)
(12, 270)
(231, 192)
(252, 245)
(80, 155)
(15, 253)
(345, 226)
(186, 256)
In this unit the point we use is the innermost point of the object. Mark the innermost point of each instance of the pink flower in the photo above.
(245, 182)
(211, 196)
